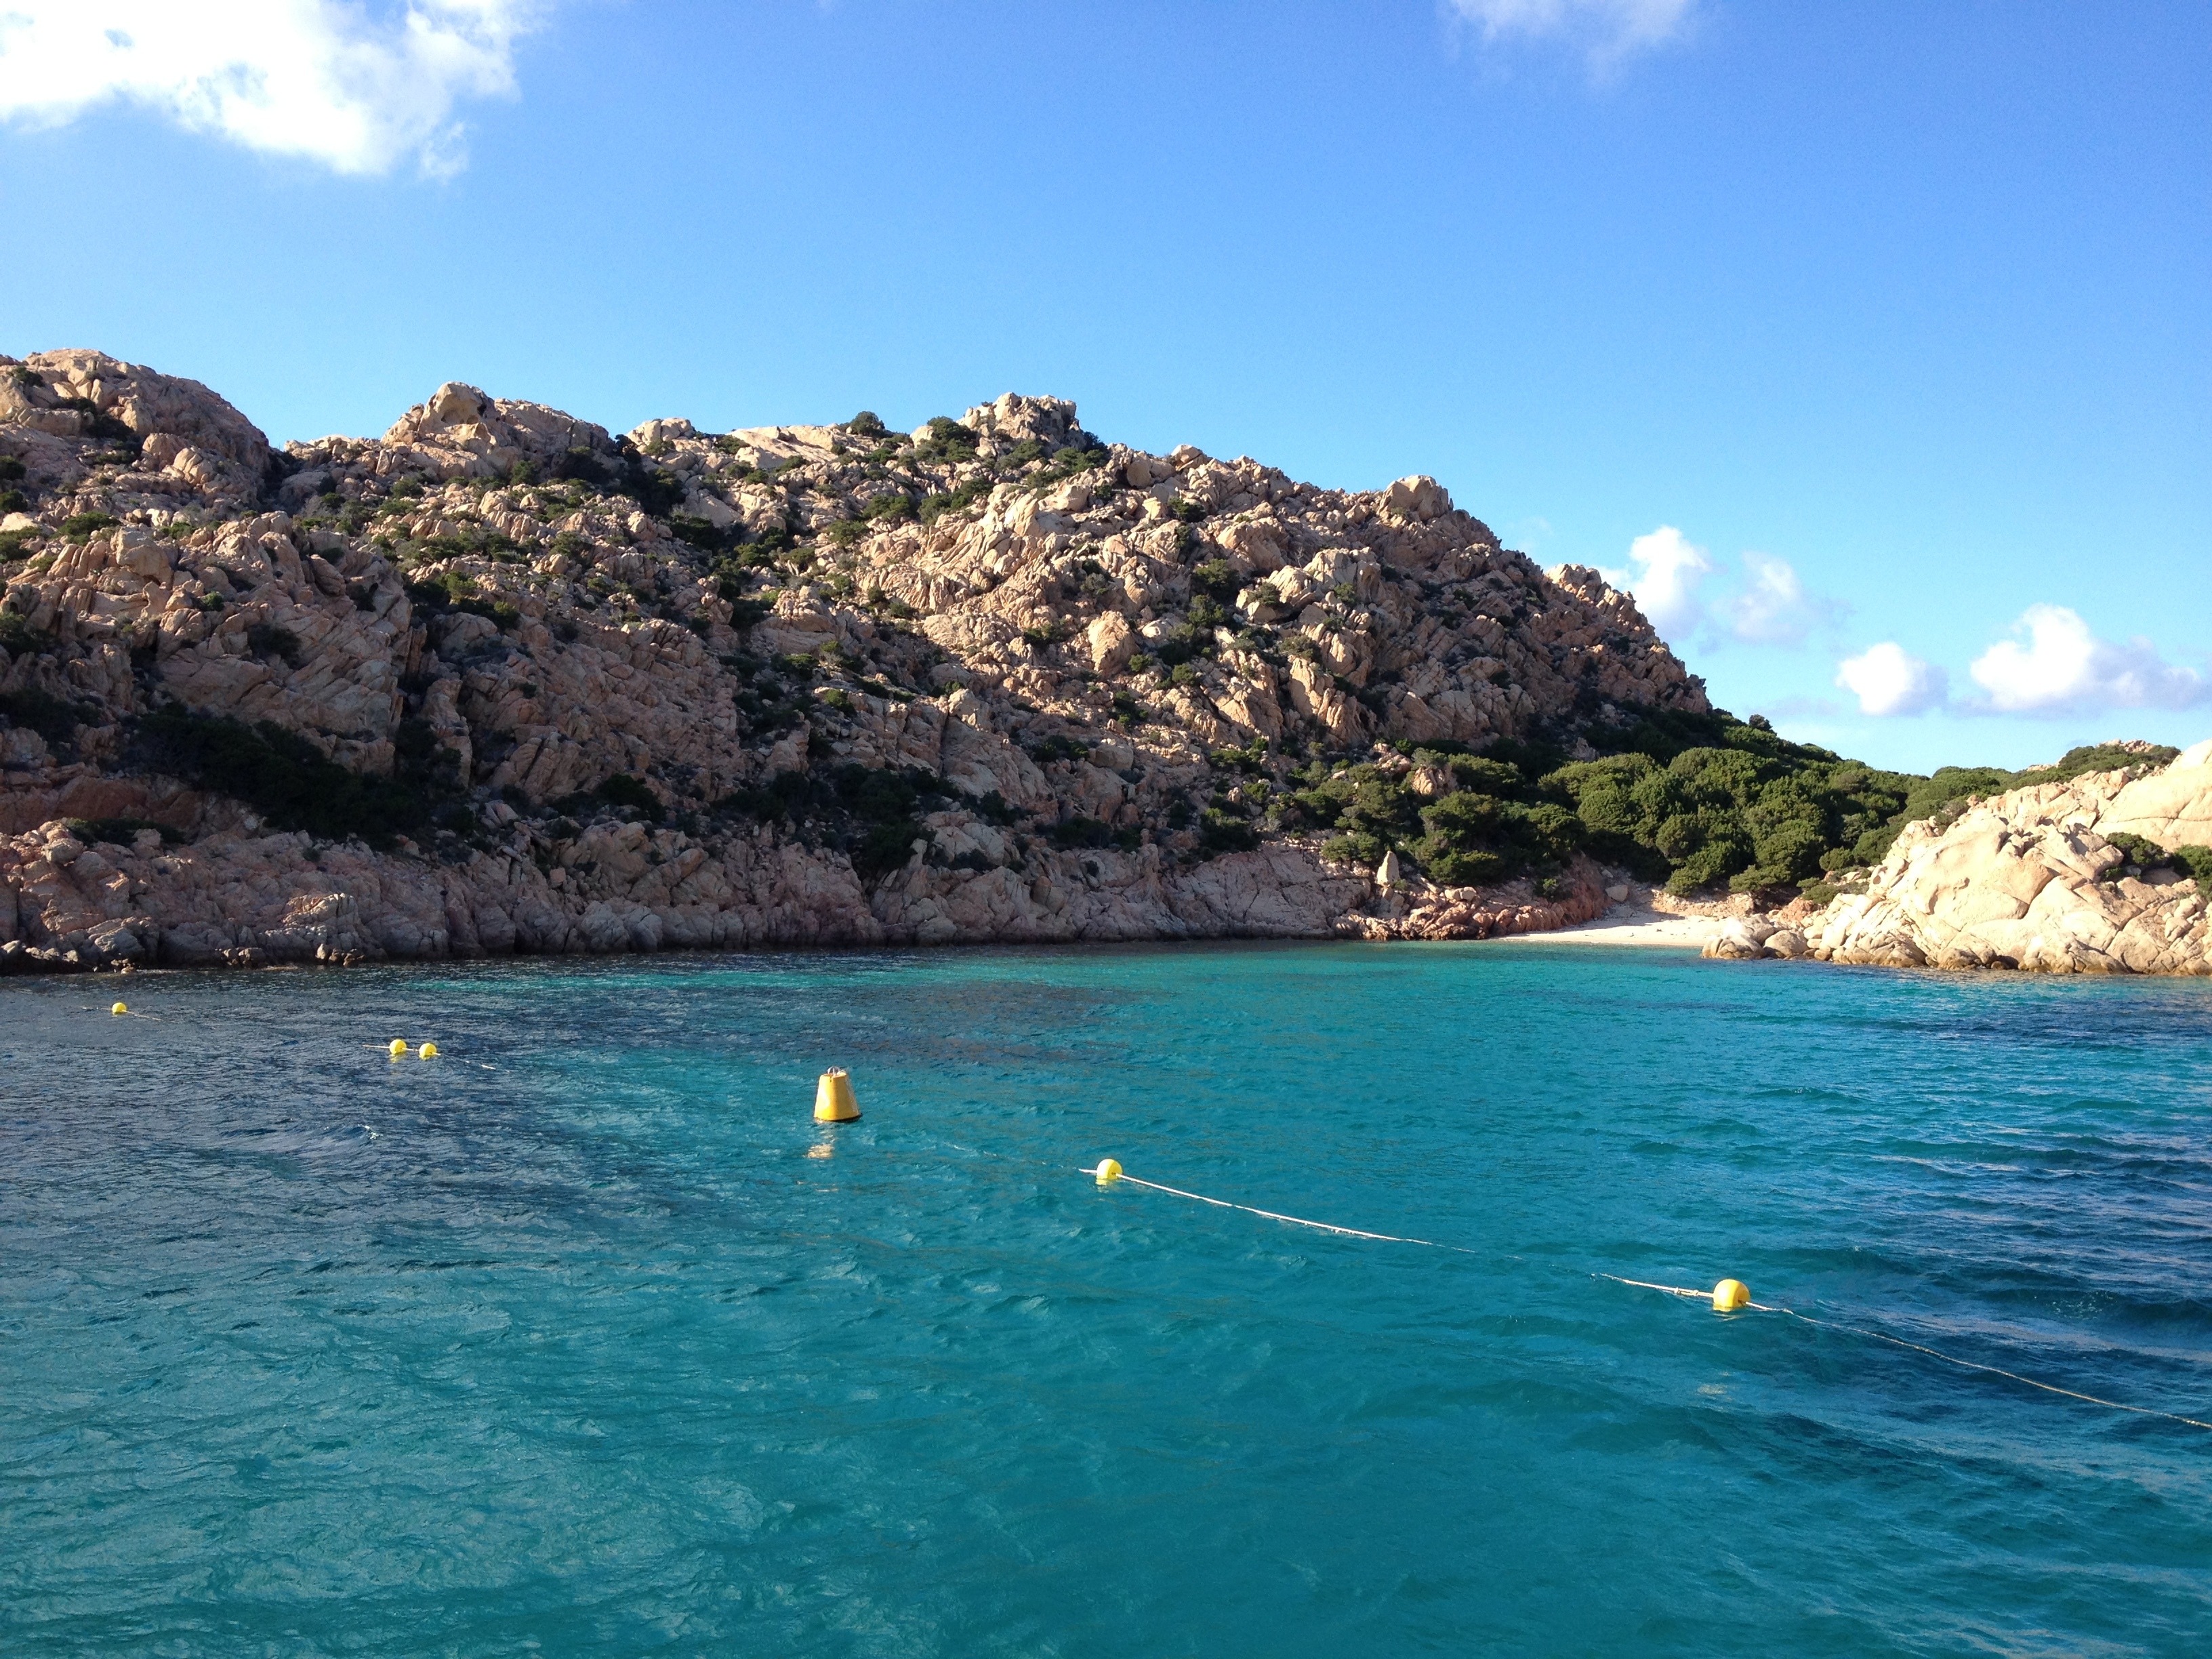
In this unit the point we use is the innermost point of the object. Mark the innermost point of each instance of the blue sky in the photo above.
(1876, 335)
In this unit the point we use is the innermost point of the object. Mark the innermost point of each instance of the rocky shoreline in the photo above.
(2107, 873)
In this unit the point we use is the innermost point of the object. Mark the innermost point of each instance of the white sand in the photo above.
(1627, 924)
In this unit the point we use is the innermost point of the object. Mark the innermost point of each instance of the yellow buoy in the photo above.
(1729, 1295)
(121, 1008)
(428, 1051)
(833, 1097)
(398, 1048)
(1109, 1171)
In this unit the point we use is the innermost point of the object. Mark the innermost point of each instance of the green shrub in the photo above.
(79, 526)
(946, 441)
(14, 500)
(267, 639)
(866, 425)
(12, 470)
(1072, 834)
(286, 779)
(953, 501)
(97, 422)
(451, 590)
(623, 790)
(120, 832)
(1058, 746)
(12, 543)
(701, 533)
(1221, 832)
(2197, 862)
(52, 717)
(19, 639)
(868, 813)
(1217, 579)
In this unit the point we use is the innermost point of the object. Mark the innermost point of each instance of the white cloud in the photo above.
(1665, 581)
(1774, 608)
(1612, 29)
(357, 85)
(1888, 680)
(2063, 667)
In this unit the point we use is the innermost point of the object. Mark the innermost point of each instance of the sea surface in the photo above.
(583, 1338)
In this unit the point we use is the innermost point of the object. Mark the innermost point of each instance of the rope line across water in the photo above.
(1918, 1348)
(1676, 1290)
(1296, 1221)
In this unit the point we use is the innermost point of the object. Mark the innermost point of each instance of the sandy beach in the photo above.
(1628, 924)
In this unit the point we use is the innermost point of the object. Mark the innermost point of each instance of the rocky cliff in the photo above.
(500, 680)
(2110, 872)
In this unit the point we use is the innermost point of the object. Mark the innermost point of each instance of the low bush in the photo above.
(623, 790)
(120, 832)
(54, 718)
(869, 813)
(1058, 746)
(452, 590)
(19, 639)
(79, 526)
(267, 639)
(292, 784)
(946, 441)
(97, 422)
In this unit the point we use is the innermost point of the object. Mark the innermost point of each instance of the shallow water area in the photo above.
(582, 1338)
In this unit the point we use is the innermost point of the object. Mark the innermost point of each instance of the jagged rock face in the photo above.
(2032, 879)
(1045, 639)
(180, 444)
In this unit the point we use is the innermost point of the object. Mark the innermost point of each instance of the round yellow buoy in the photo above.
(429, 1051)
(1729, 1295)
(119, 1008)
(833, 1097)
(398, 1048)
(1109, 1171)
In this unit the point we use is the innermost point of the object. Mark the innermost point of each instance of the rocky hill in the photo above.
(500, 680)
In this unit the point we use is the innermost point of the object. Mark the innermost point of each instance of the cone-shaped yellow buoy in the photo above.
(428, 1051)
(833, 1097)
(1729, 1295)
(398, 1048)
(1109, 1171)
(119, 1008)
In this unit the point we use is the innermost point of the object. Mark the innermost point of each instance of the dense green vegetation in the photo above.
(869, 813)
(54, 718)
(2141, 856)
(1698, 801)
(293, 785)
(120, 832)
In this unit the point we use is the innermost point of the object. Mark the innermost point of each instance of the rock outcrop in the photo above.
(500, 680)
(2062, 877)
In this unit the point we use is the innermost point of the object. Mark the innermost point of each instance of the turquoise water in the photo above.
(568, 1343)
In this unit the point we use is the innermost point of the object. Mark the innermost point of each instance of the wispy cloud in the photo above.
(1774, 608)
(356, 85)
(2061, 667)
(1769, 605)
(1608, 30)
(1889, 680)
